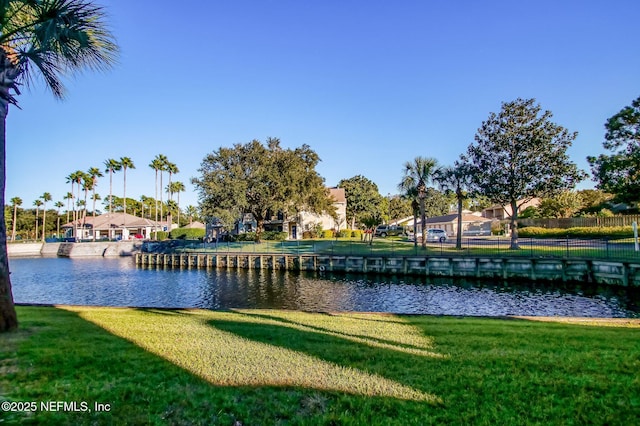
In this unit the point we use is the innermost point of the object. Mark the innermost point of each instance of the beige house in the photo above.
(304, 221)
(504, 212)
(112, 226)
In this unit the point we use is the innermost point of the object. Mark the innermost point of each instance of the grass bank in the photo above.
(396, 246)
(252, 367)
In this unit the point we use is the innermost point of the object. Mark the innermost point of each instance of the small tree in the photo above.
(520, 154)
(363, 198)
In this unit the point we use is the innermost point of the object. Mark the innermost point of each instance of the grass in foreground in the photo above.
(255, 367)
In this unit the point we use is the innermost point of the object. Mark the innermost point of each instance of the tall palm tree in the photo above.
(87, 185)
(94, 173)
(45, 197)
(69, 198)
(112, 166)
(176, 188)
(58, 205)
(171, 168)
(126, 163)
(49, 38)
(417, 175)
(157, 164)
(37, 203)
(455, 180)
(15, 201)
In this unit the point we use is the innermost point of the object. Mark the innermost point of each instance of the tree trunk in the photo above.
(459, 232)
(259, 227)
(44, 221)
(423, 225)
(8, 316)
(15, 217)
(415, 230)
(514, 226)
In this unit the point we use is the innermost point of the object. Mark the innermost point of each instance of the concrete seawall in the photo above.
(97, 249)
(562, 270)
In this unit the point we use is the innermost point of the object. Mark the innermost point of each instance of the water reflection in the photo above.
(118, 282)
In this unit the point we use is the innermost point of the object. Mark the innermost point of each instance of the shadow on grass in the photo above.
(60, 356)
(357, 351)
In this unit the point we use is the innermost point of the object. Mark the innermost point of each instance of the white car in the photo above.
(436, 235)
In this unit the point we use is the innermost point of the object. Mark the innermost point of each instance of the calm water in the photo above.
(118, 282)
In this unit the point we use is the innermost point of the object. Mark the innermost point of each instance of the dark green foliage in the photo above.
(261, 180)
(520, 154)
(266, 235)
(619, 173)
(159, 235)
(187, 234)
(363, 198)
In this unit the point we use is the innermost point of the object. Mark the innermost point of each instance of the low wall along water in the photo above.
(88, 249)
(565, 270)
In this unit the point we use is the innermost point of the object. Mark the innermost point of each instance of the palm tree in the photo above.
(455, 180)
(171, 168)
(157, 165)
(16, 201)
(87, 185)
(176, 188)
(417, 175)
(58, 205)
(191, 211)
(94, 173)
(112, 166)
(37, 203)
(126, 163)
(69, 198)
(50, 38)
(45, 197)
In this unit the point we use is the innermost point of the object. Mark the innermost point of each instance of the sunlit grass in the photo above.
(266, 367)
(191, 340)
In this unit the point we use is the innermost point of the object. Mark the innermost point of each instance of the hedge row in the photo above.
(266, 235)
(187, 234)
(581, 232)
(328, 233)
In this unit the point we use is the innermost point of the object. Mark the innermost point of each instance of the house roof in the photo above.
(452, 218)
(113, 220)
(338, 195)
(195, 225)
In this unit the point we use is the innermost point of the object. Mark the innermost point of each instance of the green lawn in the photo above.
(254, 367)
(400, 246)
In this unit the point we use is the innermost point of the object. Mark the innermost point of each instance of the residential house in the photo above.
(472, 224)
(504, 212)
(304, 221)
(112, 226)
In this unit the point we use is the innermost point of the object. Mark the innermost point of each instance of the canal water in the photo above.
(119, 282)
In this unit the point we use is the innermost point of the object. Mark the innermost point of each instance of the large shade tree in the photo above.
(619, 173)
(417, 175)
(261, 180)
(520, 154)
(50, 39)
(363, 198)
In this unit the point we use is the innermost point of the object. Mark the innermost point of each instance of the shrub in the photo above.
(159, 235)
(187, 234)
(274, 236)
(578, 232)
(327, 233)
(356, 233)
(307, 235)
(345, 233)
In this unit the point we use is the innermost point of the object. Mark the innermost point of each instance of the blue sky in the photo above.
(368, 85)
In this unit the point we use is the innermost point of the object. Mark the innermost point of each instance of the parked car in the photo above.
(436, 235)
(389, 230)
